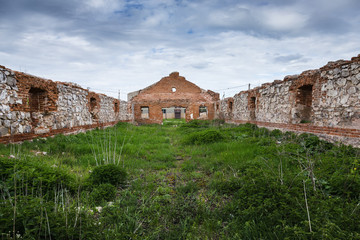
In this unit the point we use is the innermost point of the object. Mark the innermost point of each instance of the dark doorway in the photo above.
(93, 103)
(230, 106)
(252, 108)
(177, 113)
(304, 102)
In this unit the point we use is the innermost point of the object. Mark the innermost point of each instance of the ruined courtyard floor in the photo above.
(197, 180)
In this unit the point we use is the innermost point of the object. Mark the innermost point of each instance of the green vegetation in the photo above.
(196, 180)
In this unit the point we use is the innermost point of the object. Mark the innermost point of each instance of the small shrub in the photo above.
(217, 122)
(276, 133)
(103, 192)
(202, 137)
(109, 173)
(196, 124)
(313, 144)
(261, 132)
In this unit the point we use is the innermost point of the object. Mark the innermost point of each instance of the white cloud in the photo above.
(282, 19)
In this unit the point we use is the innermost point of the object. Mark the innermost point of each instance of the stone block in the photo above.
(344, 99)
(358, 76)
(11, 81)
(341, 82)
(345, 73)
(3, 95)
(332, 93)
(4, 131)
(7, 123)
(352, 90)
(2, 77)
(41, 130)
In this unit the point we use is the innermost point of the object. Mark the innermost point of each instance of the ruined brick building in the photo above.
(172, 97)
(324, 101)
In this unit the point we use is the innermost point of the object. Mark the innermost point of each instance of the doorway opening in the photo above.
(304, 103)
(174, 113)
(252, 108)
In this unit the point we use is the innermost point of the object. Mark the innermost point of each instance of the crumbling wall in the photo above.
(73, 107)
(324, 101)
(31, 106)
(338, 104)
(226, 109)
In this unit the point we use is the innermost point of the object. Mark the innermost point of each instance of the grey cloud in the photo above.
(291, 57)
(202, 37)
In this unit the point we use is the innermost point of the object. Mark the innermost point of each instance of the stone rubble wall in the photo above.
(339, 102)
(34, 107)
(324, 101)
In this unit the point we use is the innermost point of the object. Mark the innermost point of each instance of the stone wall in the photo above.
(324, 101)
(31, 106)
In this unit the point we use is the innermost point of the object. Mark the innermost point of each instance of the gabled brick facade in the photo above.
(173, 91)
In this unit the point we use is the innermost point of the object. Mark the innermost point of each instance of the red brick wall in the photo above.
(160, 95)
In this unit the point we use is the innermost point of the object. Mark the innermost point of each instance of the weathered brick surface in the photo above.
(161, 95)
(327, 99)
(31, 107)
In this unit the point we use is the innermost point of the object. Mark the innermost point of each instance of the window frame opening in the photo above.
(304, 101)
(92, 103)
(230, 106)
(174, 112)
(116, 107)
(38, 100)
(203, 111)
(145, 112)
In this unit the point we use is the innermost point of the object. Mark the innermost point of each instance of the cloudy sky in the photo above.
(126, 45)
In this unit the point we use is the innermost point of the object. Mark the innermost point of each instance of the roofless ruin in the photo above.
(325, 102)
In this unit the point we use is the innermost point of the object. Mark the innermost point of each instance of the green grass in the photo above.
(197, 180)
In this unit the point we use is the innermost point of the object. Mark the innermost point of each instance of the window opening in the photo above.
(231, 106)
(38, 100)
(145, 112)
(174, 113)
(173, 89)
(304, 102)
(116, 106)
(92, 104)
(202, 111)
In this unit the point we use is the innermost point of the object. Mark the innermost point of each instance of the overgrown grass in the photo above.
(196, 180)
